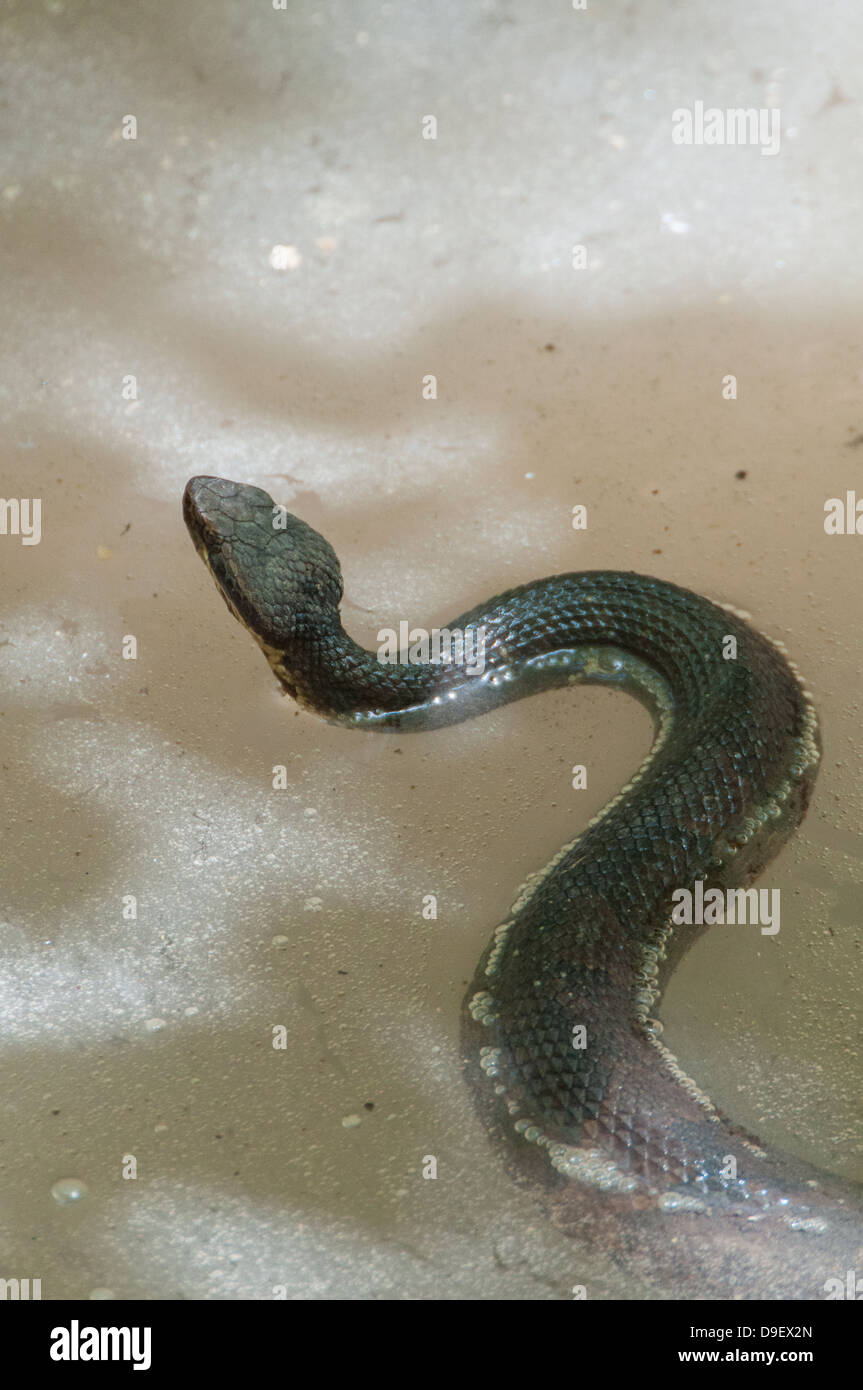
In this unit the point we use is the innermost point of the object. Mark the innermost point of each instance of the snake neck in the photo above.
(668, 647)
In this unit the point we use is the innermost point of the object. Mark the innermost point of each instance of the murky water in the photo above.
(167, 915)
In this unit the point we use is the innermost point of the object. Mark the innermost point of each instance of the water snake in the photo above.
(560, 1036)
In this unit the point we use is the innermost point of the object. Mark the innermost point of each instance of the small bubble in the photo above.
(807, 1223)
(101, 1295)
(154, 1025)
(675, 224)
(351, 1121)
(285, 258)
(68, 1191)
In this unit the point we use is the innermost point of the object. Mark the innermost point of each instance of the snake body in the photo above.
(560, 1034)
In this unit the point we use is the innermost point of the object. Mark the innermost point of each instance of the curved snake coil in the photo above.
(560, 1032)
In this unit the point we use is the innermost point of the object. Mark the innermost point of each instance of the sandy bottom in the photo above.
(258, 285)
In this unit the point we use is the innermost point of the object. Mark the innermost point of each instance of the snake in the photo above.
(562, 1045)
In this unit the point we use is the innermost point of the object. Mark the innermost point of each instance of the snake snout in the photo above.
(280, 578)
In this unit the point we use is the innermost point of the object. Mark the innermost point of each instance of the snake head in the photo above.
(279, 577)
